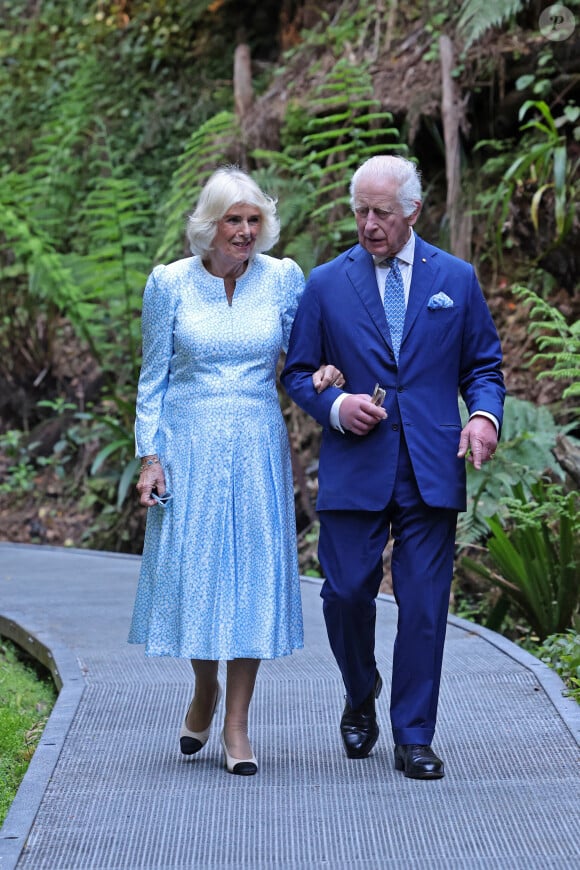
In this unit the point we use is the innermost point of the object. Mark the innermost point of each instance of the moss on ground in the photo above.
(27, 695)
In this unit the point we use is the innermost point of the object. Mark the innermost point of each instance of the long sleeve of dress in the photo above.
(158, 317)
(292, 282)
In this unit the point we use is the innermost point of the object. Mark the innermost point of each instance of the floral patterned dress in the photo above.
(219, 572)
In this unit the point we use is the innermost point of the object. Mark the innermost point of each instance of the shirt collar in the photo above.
(406, 254)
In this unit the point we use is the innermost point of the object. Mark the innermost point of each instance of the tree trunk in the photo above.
(459, 223)
(243, 94)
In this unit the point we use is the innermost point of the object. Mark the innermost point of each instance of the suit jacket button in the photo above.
(395, 427)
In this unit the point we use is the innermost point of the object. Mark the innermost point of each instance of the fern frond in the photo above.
(113, 272)
(345, 126)
(477, 16)
(559, 342)
(207, 147)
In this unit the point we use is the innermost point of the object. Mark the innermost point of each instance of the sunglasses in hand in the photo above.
(161, 500)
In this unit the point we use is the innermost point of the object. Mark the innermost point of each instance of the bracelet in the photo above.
(148, 463)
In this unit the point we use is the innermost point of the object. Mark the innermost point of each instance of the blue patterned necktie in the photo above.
(395, 308)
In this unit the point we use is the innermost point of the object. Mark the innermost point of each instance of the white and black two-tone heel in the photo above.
(191, 742)
(239, 766)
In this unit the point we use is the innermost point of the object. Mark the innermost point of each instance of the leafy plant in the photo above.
(540, 81)
(547, 162)
(119, 442)
(344, 125)
(92, 268)
(523, 454)
(342, 30)
(21, 469)
(536, 556)
(211, 144)
(543, 162)
(434, 27)
(91, 440)
(558, 341)
(477, 16)
(109, 277)
(562, 653)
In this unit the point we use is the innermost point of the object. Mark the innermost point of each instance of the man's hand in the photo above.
(327, 376)
(478, 441)
(358, 414)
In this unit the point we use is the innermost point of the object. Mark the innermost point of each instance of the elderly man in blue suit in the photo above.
(399, 313)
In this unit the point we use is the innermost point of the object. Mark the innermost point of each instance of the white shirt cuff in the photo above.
(334, 419)
(489, 416)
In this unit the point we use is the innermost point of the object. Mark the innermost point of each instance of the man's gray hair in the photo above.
(401, 170)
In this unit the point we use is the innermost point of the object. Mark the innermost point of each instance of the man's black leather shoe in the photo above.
(358, 728)
(418, 762)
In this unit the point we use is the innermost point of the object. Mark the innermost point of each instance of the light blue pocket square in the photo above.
(440, 300)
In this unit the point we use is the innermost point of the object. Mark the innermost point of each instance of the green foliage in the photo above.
(542, 162)
(36, 66)
(25, 703)
(523, 454)
(79, 240)
(22, 467)
(536, 555)
(477, 16)
(99, 291)
(339, 32)
(541, 81)
(558, 341)
(115, 432)
(435, 26)
(27, 251)
(105, 301)
(208, 146)
(344, 125)
(562, 653)
(547, 163)
(103, 440)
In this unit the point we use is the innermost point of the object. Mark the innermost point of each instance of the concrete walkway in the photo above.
(108, 789)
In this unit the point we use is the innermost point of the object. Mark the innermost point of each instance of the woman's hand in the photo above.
(151, 478)
(327, 376)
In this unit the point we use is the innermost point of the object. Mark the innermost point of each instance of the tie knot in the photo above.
(388, 262)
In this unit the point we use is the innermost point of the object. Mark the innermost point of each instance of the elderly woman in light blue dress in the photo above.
(219, 574)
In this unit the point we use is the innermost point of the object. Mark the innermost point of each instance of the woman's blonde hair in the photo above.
(226, 187)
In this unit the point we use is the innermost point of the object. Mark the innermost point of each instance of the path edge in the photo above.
(69, 680)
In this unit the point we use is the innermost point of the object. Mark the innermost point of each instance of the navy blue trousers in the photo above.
(350, 551)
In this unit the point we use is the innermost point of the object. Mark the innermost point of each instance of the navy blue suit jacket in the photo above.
(444, 352)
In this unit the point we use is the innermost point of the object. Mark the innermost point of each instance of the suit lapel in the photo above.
(361, 273)
(424, 274)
